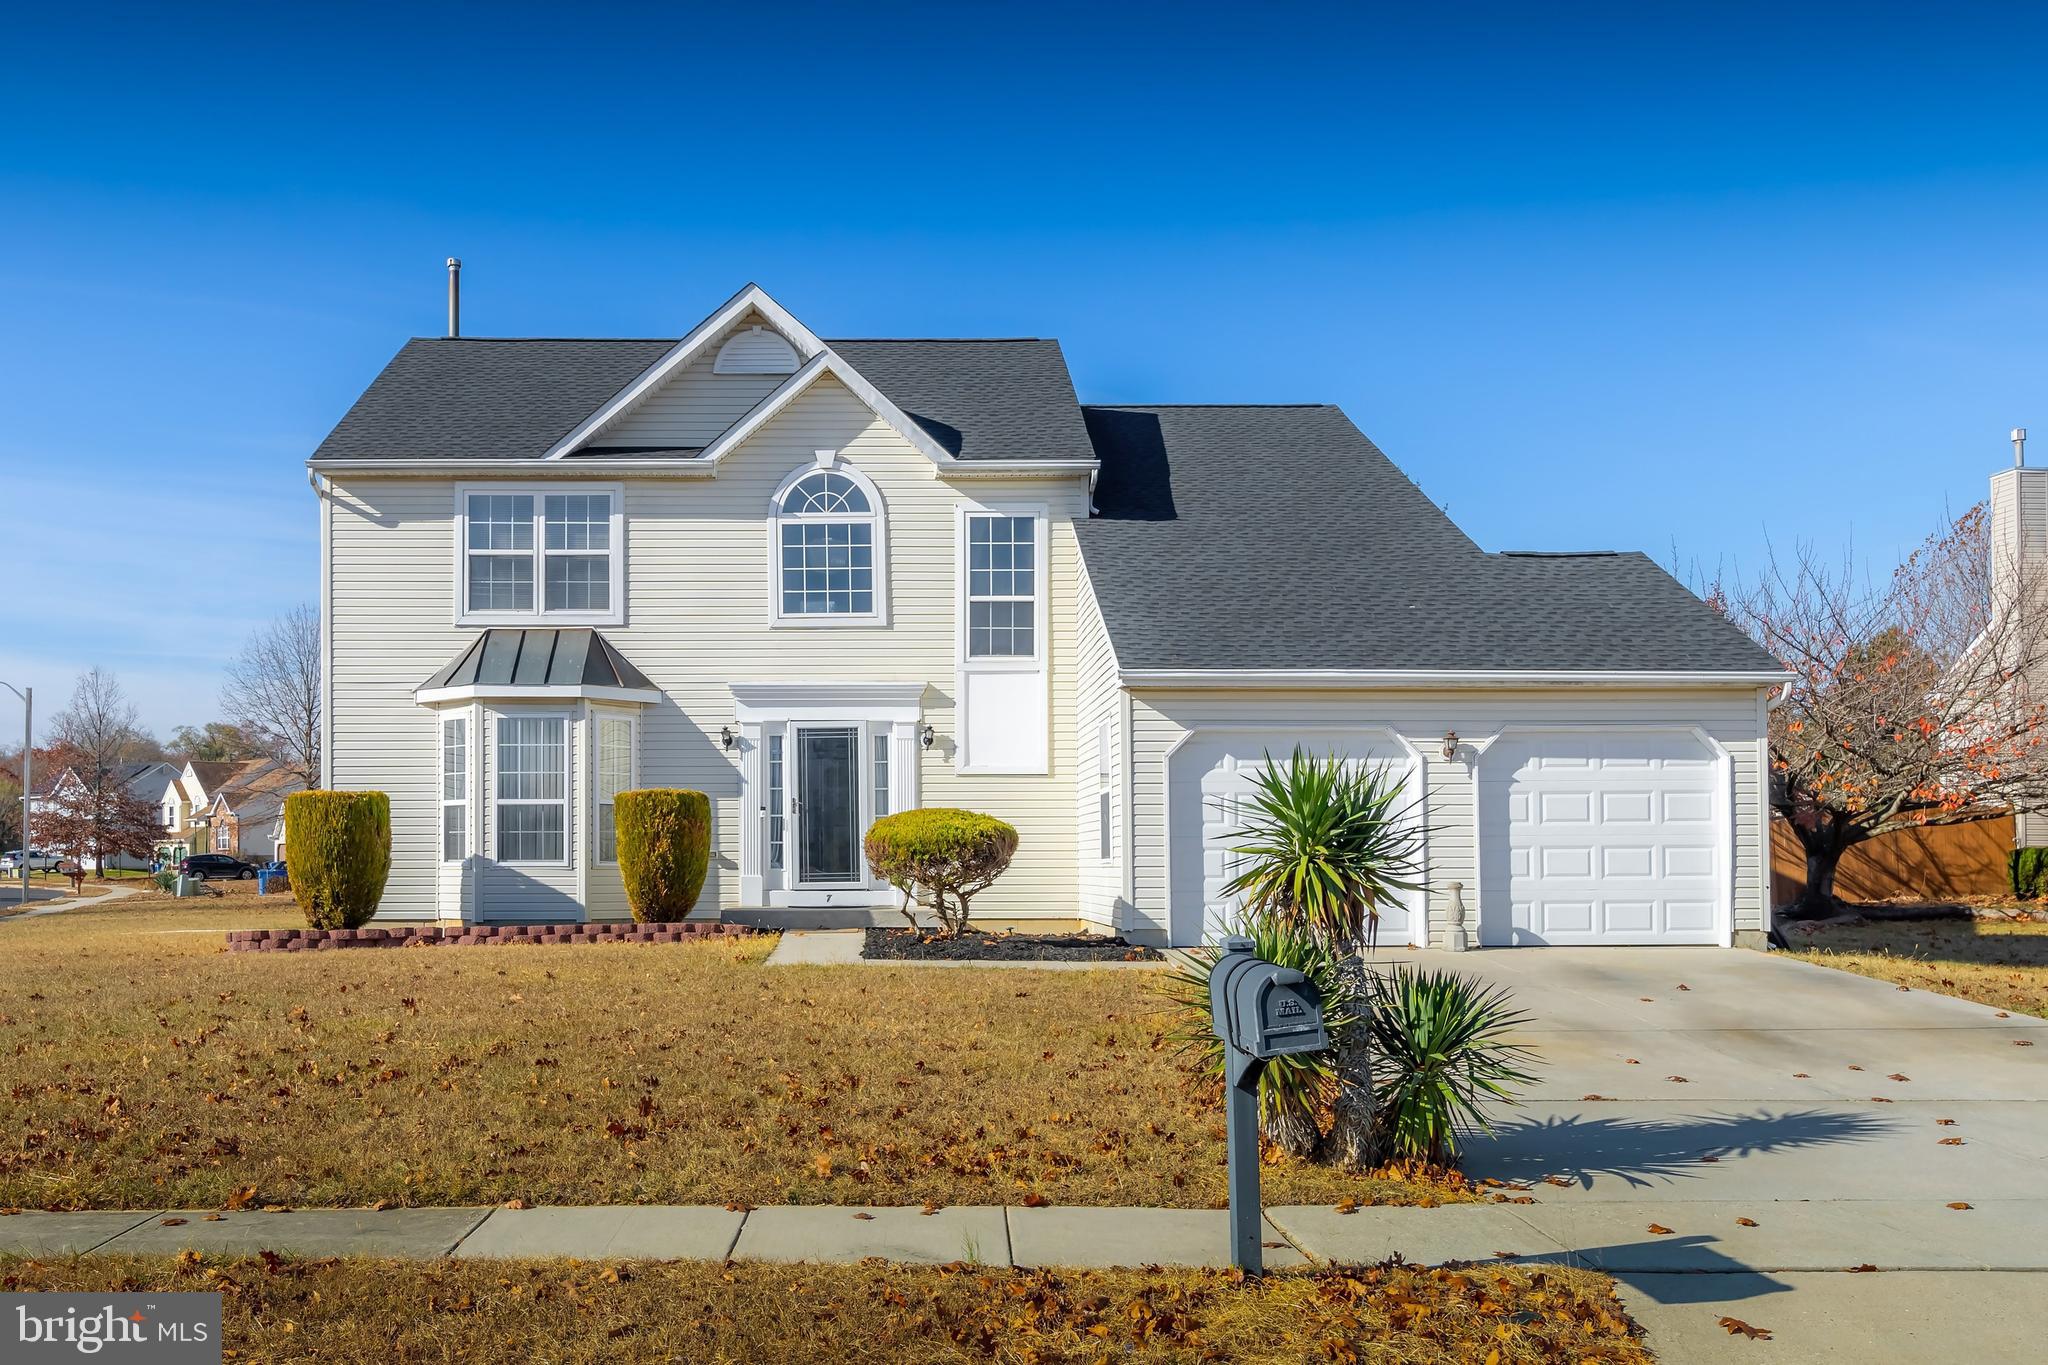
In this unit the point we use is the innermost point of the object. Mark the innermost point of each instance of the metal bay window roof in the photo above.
(538, 663)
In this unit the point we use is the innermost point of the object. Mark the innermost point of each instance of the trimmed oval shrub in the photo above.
(940, 858)
(337, 854)
(664, 836)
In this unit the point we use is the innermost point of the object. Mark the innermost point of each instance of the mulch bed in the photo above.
(470, 935)
(909, 945)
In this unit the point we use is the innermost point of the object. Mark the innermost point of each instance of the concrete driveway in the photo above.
(1842, 1116)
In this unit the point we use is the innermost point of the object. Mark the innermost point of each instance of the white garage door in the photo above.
(1208, 779)
(1600, 838)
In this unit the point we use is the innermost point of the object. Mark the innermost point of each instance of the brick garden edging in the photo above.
(469, 935)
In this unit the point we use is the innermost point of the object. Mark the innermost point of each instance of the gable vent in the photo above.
(756, 351)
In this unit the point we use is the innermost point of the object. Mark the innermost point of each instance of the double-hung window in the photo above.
(614, 775)
(1105, 784)
(532, 807)
(1002, 586)
(538, 554)
(454, 790)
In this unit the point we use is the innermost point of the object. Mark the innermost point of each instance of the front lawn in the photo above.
(147, 1067)
(1992, 962)
(282, 1310)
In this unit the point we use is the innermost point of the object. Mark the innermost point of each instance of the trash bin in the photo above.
(263, 882)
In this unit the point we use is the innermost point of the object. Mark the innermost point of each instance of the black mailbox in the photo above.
(1262, 1009)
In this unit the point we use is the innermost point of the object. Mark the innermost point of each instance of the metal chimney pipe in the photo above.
(2019, 447)
(454, 297)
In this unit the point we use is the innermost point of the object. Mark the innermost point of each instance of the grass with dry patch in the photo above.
(281, 1310)
(147, 1067)
(2000, 964)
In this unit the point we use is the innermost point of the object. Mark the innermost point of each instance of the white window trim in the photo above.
(597, 720)
(1035, 663)
(878, 518)
(568, 801)
(1041, 516)
(468, 822)
(539, 616)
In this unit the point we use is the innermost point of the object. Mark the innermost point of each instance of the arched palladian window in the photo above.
(828, 538)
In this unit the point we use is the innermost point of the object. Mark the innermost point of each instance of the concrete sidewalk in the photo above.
(1695, 1236)
(1803, 1271)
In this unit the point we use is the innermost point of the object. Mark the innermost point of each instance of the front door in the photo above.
(827, 806)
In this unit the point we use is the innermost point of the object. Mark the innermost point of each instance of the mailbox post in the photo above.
(1260, 1010)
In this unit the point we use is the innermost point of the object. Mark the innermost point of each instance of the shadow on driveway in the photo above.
(1637, 1151)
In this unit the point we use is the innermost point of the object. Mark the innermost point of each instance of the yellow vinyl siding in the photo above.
(697, 619)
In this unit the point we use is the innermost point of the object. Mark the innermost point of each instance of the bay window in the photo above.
(531, 816)
(614, 775)
(454, 790)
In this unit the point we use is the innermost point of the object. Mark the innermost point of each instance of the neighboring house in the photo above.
(2019, 555)
(188, 803)
(243, 817)
(822, 581)
(147, 781)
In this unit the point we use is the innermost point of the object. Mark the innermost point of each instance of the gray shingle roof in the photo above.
(539, 658)
(1281, 538)
(473, 398)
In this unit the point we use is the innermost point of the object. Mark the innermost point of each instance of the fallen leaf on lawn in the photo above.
(1951, 1142)
(1745, 1222)
(515, 1203)
(1035, 1200)
(240, 1199)
(1959, 1204)
(172, 1223)
(1348, 1206)
(737, 1207)
(380, 1206)
(1737, 1327)
(865, 1217)
(1660, 1229)
(929, 1209)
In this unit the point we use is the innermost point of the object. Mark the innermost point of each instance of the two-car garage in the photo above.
(1558, 835)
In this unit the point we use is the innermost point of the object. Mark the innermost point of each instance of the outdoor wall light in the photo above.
(727, 738)
(1450, 745)
(926, 736)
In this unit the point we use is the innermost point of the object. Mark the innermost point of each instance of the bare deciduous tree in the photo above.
(1914, 702)
(273, 691)
(101, 724)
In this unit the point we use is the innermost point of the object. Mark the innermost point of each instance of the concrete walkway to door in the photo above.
(1694, 1087)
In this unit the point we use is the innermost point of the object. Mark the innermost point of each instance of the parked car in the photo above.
(206, 866)
(37, 860)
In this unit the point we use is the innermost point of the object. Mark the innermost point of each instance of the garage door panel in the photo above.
(1600, 838)
(1210, 781)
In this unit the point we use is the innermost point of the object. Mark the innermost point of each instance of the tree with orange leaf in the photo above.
(1913, 701)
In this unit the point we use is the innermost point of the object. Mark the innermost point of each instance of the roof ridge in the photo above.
(834, 341)
(1209, 405)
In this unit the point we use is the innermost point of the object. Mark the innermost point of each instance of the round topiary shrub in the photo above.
(664, 836)
(337, 854)
(940, 859)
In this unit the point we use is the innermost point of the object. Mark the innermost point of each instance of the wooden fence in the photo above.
(1938, 862)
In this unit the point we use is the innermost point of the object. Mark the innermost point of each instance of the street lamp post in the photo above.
(28, 758)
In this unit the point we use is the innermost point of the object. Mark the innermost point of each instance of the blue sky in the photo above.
(1688, 282)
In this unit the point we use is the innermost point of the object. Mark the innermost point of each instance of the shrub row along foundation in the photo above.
(431, 936)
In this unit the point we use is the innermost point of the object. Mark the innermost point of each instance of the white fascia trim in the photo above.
(751, 298)
(436, 696)
(686, 468)
(1401, 677)
(826, 362)
(757, 702)
(957, 470)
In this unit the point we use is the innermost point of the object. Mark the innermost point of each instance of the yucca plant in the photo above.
(1443, 1058)
(1326, 842)
(1292, 1090)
